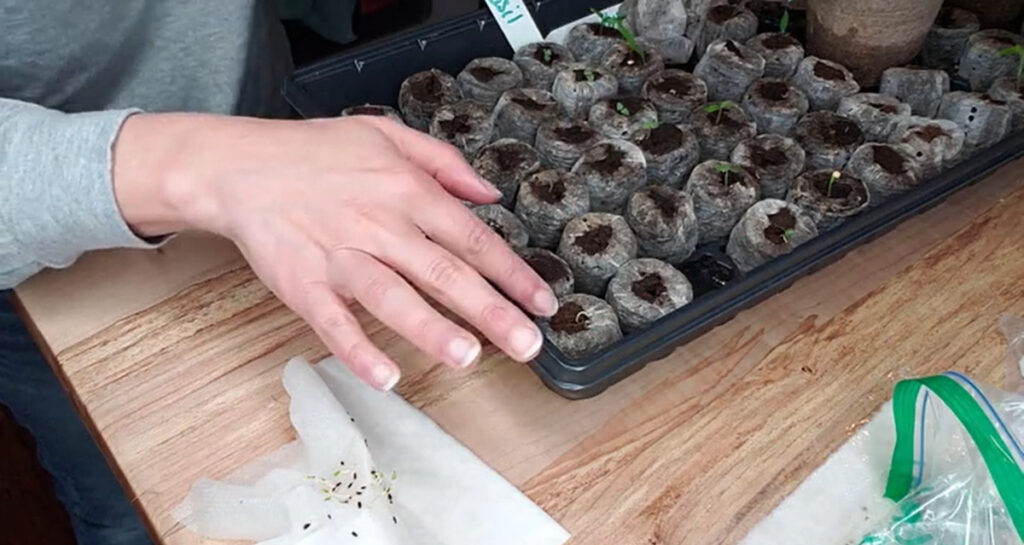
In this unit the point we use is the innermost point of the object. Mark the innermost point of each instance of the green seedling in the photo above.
(784, 22)
(726, 169)
(589, 74)
(547, 55)
(718, 107)
(617, 21)
(787, 235)
(831, 180)
(621, 108)
(1019, 51)
(649, 124)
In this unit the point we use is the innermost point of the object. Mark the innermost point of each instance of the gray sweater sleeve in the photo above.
(56, 193)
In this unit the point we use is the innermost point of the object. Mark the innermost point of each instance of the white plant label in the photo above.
(515, 21)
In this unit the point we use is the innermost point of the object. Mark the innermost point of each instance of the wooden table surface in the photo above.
(174, 358)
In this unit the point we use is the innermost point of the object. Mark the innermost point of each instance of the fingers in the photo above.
(459, 230)
(440, 160)
(341, 333)
(394, 302)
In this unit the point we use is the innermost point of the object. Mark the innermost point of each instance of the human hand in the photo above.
(338, 210)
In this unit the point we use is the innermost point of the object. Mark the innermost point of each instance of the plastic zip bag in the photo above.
(957, 470)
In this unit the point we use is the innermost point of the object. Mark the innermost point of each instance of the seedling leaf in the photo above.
(718, 107)
(589, 74)
(784, 22)
(650, 124)
(547, 55)
(617, 21)
(787, 235)
(726, 167)
(621, 108)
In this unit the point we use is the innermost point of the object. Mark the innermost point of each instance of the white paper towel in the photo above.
(374, 471)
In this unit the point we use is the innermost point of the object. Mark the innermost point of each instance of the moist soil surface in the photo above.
(830, 73)
(664, 201)
(612, 161)
(529, 104)
(929, 133)
(675, 86)
(552, 56)
(778, 224)
(767, 157)
(889, 159)
(510, 157)
(551, 193)
(662, 139)
(574, 134)
(650, 287)
(726, 120)
(721, 14)
(773, 90)
(484, 74)
(581, 75)
(841, 189)
(549, 268)
(632, 104)
(599, 29)
(1000, 42)
(887, 108)
(460, 124)
(779, 41)
(426, 89)
(368, 110)
(595, 240)
(838, 132)
(570, 319)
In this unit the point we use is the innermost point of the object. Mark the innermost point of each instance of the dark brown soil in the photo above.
(780, 41)
(725, 120)
(484, 74)
(778, 224)
(721, 14)
(662, 139)
(767, 157)
(574, 134)
(570, 319)
(887, 108)
(952, 18)
(595, 240)
(633, 59)
(581, 75)
(836, 131)
(733, 48)
(650, 287)
(632, 104)
(460, 124)
(510, 158)
(529, 104)
(427, 89)
(831, 73)
(773, 90)
(1000, 42)
(675, 86)
(549, 268)
(599, 29)
(551, 193)
(612, 161)
(665, 201)
(889, 159)
(553, 56)
(841, 189)
(928, 133)
(368, 110)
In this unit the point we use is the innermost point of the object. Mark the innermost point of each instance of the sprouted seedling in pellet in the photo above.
(546, 52)
(726, 169)
(1019, 51)
(650, 124)
(787, 235)
(718, 107)
(617, 21)
(621, 108)
(784, 22)
(589, 74)
(831, 180)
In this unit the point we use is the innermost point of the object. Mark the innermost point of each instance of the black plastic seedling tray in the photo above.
(373, 74)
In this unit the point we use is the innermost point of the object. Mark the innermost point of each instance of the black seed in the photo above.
(359, 505)
(343, 462)
(359, 493)
(395, 519)
(970, 118)
(354, 534)
(352, 419)
(328, 516)
(355, 476)
(362, 487)
(305, 526)
(350, 485)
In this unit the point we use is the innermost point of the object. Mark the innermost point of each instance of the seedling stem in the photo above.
(617, 21)
(718, 107)
(726, 169)
(831, 180)
(787, 235)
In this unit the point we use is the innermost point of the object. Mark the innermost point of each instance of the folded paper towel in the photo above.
(374, 471)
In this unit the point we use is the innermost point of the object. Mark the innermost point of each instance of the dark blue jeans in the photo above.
(99, 511)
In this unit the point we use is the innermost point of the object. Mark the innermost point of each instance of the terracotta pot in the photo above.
(993, 13)
(869, 36)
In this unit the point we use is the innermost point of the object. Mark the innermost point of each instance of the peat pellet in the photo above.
(583, 325)
(547, 201)
(774, 160)
(726, 22)
(921, 88)
(946, 40)
(984, 119)
(876, 114)
(422, 93)
(664, 222)
(467, 125)
(632, 68)
(589, 43)
(887, 169)
(933, 143)
(484, 80)
(622, 116)
(560, 141)
(612, 170)
(506, 163)
(782, 53)
(578, 87)
(675, 93)
(721, 192)
(662, 23)
(828, 139)
(827, 199)
(775, 105)
(551, 268)
(728, 68)
(670, 152)
(1010, 91)
(595, 245)
(719, 127)
(645, 290)
(373, 110)
(504, 223)
(768, 229)
(540, 62)
(520, 112)
(824, 82)
(982, 64)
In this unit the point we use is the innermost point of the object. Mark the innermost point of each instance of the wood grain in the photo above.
(180, 377)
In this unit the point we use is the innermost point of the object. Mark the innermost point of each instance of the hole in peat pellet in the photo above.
(887, 108)
(574, 134)
(612, 160)
(773, 90)
(550, 192)
(599, 29)
(552, 55)
(570, 319)
(484, 74)
(426, 88)
(721, 14)
(662, 139)
(778, 224)
(581, 75)
(825, 71)
(665, 201)
(729, 178)
(780, 41)
(547, 267)
(767, 157)
(733, 48)
(509, 158)
(675, 86)
(595, 240)
(650, 287)
(368, 110)
(633, 105)
(952, 18)
(889, 159)
(929, 133)
(840, 188)
(460, 124)
(837, 131)
(723, 119)
(529, 104)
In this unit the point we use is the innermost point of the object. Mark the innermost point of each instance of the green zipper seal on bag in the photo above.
(1006, 474)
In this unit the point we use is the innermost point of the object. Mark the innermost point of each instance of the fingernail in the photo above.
(544, 302)
(463, 352)
(385, 377)
(525, 342)
(490, 187)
